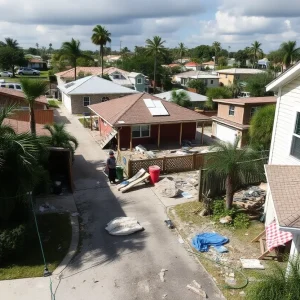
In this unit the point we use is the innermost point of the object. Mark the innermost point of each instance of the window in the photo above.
(212, 82)
(226, 76)
(139, 81)
(141, 131)
(295, 149)
(231, 110)
(18, 87)
(253, 110)
(86, 101)
(104, 99)
(11, 86)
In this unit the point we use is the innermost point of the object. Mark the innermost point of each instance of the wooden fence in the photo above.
(167, 164)
(42, 116)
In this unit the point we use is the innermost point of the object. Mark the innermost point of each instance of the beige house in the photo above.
(234, 117)
(227, 76)
(78, 95)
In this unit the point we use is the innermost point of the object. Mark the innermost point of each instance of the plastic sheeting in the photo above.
(123, 226)
(201, 242)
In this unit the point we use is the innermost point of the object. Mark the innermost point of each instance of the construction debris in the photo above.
(226, 220)
(197, 289)
(167, 188)
(251, 264)
(162, 275)
(123, 226)
(252, 198)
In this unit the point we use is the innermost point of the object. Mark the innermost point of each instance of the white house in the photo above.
(210, 79)
(283, 170)
(78, 95)
(196, 99)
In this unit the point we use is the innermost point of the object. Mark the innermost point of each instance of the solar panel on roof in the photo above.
(156, 107)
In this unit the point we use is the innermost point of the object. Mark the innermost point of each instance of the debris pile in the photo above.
(167, 188)
(252, 198)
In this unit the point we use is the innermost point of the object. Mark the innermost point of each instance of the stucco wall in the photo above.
(223, 112)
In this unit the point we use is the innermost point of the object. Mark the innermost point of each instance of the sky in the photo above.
(234, 23)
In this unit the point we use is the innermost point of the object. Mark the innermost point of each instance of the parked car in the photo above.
(6, 74)
(244, 95)
(11, 85)
(28, 71)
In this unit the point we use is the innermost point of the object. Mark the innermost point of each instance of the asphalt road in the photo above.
(126, 268)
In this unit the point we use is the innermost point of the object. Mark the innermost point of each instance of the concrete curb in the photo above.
(73, 246)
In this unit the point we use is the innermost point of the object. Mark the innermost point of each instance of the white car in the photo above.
(6, 74)
(28, 71)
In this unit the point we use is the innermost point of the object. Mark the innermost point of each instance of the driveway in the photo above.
(126, 268)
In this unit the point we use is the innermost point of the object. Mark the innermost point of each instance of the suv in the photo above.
(28, 71)
(11, 85)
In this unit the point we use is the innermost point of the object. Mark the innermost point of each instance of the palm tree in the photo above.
(181, 97)
(155, 48)
(100, 37)
(33, 89)
(9, 42)
(71, 51)
(181, 51)
(5, 112)
(217, 48)
(233, 163)
(61, 138)
(50, 48)
(255, 50)
(289, 50)
(236, 87)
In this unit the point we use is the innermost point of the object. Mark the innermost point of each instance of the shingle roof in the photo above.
(23, 127)
(93, 85)
(230, 123)
(192, 64)
(284, 183)
(71, 73)
(196, 74)
(248, 100)
(240, 71)
(132, 110)
(20, 95)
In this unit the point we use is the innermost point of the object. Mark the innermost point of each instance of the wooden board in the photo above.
(139, 174)
(132, 184)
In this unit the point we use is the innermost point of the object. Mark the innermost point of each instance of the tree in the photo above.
(199, 85)
(236, 88)
(217, 93)
(222, 61)
(241, 56)
(216, 48)
(256, 84)
(100, 37)
(61, 138)
(290, 52)
(233, 163)
(155, 48)
(50, 49)
(261, 127)
(181, 98)
(11, 55)
(71, 51)
(5, 112)
(33, 89)
(181, 51)
(256, 51)
(276, 56)
(202, 52)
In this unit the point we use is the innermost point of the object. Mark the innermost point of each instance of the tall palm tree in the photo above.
(33, 89)
(100, 37)
(256, 51)
(233, 163)
(155, 48)
(181, 51)
(181, 98)
(289, 50)
(216, 48)
(71, 51)
(60, 137)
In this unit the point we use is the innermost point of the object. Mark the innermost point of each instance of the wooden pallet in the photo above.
(135, 182)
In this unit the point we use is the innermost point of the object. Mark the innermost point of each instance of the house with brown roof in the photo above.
(192, 66)
(283, 169)
(234, 115)
(146, 119)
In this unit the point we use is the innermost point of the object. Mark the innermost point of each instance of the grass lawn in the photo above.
(56, 233)
(85, 122)
(54, 103)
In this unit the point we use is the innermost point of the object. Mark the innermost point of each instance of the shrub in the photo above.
(220, 211)
(11, 242)
(241, 221)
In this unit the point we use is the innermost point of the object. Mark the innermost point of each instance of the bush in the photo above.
(241, 221)
(12, 242)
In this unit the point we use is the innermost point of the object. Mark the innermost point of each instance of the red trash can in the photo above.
(154, 172)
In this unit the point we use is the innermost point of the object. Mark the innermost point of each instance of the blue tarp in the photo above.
(201, 242)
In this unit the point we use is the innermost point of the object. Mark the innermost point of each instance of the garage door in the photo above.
(225, 133)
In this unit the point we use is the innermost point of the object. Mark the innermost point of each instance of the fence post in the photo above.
(164, 165)
(129, 168)
(194, 161)
(200, 184)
